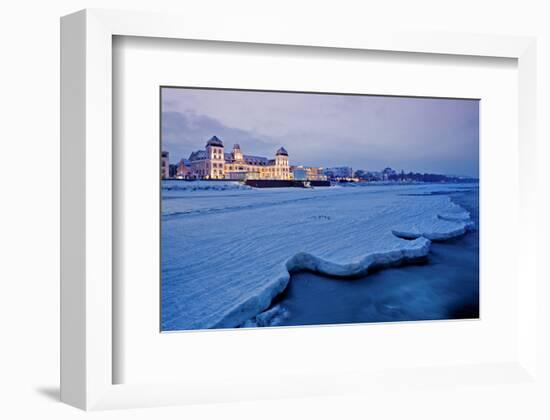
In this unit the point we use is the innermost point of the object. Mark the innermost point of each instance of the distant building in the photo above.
(183, 170)
(339, 172)
(172, 169)
(308, 173)
(164, 166)
(214, 163)
(299, 173)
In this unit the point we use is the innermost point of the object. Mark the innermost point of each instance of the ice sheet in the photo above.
(227, 249)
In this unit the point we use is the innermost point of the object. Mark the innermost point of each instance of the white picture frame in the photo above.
(86, 196)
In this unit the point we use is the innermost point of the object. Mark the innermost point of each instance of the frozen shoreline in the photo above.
(227, 253)
(442, 286)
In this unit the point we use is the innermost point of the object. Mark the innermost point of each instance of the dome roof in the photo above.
(281, 151)
(214, 141)
(236, 146)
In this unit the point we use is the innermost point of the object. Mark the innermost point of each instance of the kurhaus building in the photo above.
(215, 163)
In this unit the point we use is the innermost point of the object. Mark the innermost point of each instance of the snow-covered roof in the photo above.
(255, 160)
(198, 155)
(250, 159)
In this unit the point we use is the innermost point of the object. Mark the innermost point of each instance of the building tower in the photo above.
(164, 165)
(215, 159)
(237, 154)
(281, 164)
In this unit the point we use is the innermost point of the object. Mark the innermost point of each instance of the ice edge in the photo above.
(255, 305)
(245, 313)
(419, 248)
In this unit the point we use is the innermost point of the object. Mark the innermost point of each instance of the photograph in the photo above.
(287, 209)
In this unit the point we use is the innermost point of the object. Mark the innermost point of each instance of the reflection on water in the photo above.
(445, 287)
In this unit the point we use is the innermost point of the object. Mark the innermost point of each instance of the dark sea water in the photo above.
(446, 286)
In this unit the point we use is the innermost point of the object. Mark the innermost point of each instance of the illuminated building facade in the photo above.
(214, 163)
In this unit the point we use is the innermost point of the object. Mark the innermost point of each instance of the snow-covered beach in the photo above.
(227, 249)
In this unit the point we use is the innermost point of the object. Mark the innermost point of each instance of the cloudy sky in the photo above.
(364, 132)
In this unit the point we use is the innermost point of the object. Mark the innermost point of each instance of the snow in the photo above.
(202, 186)
(227, 249)
(270, 318)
